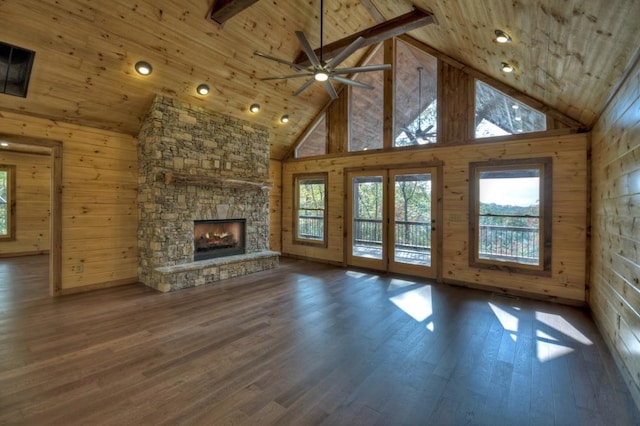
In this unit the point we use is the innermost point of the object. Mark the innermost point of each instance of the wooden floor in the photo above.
(302, 344)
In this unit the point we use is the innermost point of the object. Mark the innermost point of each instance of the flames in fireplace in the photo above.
(218, 238)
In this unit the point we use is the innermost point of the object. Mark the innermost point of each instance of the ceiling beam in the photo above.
(404, 23)
(223, 10)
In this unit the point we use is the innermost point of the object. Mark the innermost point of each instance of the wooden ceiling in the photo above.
(569, 55)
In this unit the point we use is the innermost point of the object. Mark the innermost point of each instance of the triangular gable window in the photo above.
(498, 114)
(315, 141)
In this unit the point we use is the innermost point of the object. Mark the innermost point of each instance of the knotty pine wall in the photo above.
(570, 187)
(614, 295)
(33, 186)
(275, 205)
(99, 211)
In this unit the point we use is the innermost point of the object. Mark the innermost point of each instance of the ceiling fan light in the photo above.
(143, 68)
(254, 107)
(203, 89)
(502, 37)
(321, 76)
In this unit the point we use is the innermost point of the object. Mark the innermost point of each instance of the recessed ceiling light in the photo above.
(254, 108)
(203, 89)
(284, 119)
(506, 67)
(502, 37)
(143, 68)
(4, 143)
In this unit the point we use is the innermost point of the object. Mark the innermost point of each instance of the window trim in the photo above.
(296, 204)
(545, 165)
(11, 202)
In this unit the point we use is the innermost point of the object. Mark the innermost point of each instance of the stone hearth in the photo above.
(196, 164)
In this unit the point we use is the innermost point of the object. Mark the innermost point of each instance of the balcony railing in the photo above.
(505, 243)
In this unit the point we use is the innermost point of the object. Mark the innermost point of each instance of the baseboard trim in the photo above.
(98, 286)
(517, 293)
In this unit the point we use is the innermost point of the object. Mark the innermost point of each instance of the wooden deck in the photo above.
(301, 344)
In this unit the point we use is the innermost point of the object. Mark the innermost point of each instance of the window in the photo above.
(7, 202)
(510, 203)
(315, 141)
(416, 93)
(498, 114)
(366, 108)
(310, 220)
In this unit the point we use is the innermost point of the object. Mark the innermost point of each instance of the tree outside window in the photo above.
(7, 202)
(310, 222)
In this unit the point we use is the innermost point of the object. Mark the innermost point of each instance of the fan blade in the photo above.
(351, 82)
(284, 77)
(308, 50)
(282, 61)
(365, 68)
(330, 89)
(337, 60)
(304, 87)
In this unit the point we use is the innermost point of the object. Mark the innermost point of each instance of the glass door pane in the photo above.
(412, 221)
(367, 217)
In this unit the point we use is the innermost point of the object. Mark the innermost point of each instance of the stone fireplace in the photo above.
(196, 167)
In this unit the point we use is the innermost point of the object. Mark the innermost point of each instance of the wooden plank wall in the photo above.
(33, 186)
(99, 207)
(615, 269)
(570, 187)
(275, 206)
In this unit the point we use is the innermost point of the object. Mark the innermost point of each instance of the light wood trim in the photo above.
(11, 207)
(296, 207)
(177, 178)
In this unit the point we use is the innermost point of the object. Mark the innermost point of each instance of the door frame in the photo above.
(437, 213)
(55, 218)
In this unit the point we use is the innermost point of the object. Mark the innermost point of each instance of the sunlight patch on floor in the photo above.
(508, 321)
(547, 351)
(563, 326)
(416, 303)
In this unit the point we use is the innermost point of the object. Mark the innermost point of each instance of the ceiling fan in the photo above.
(324, 72)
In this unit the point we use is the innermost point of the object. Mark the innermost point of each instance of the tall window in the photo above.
(510, 207)
(366, 110)
(7, 202)
(310, 218)
(416, 93)
(315, 141)
(498, 114)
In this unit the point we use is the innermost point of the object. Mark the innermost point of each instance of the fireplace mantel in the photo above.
(211, 181)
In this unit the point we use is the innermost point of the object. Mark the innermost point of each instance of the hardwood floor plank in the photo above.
(301, 344)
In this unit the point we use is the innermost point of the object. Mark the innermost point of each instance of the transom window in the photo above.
(499, 115)
(310, 219)
(511, 214)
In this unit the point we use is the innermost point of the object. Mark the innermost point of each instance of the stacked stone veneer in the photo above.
(177, 137)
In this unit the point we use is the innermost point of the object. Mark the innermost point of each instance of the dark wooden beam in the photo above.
(404, 23)
(223, 10)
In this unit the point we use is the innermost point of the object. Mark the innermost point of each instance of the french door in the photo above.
(392, 221)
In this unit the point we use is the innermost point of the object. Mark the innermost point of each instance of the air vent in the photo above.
(15, 69)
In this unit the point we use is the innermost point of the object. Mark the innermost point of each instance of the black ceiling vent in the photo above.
(15, 69)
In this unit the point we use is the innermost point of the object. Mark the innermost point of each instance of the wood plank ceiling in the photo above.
(569, 55)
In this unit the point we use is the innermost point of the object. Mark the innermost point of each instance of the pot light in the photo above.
(143, 68)
(321, 76)
(506, 67)
(502, 37)
(4, 143)
(254, 108)
(284, 119)
(203, 89)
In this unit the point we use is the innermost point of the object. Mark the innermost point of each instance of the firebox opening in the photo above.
(218, 238)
